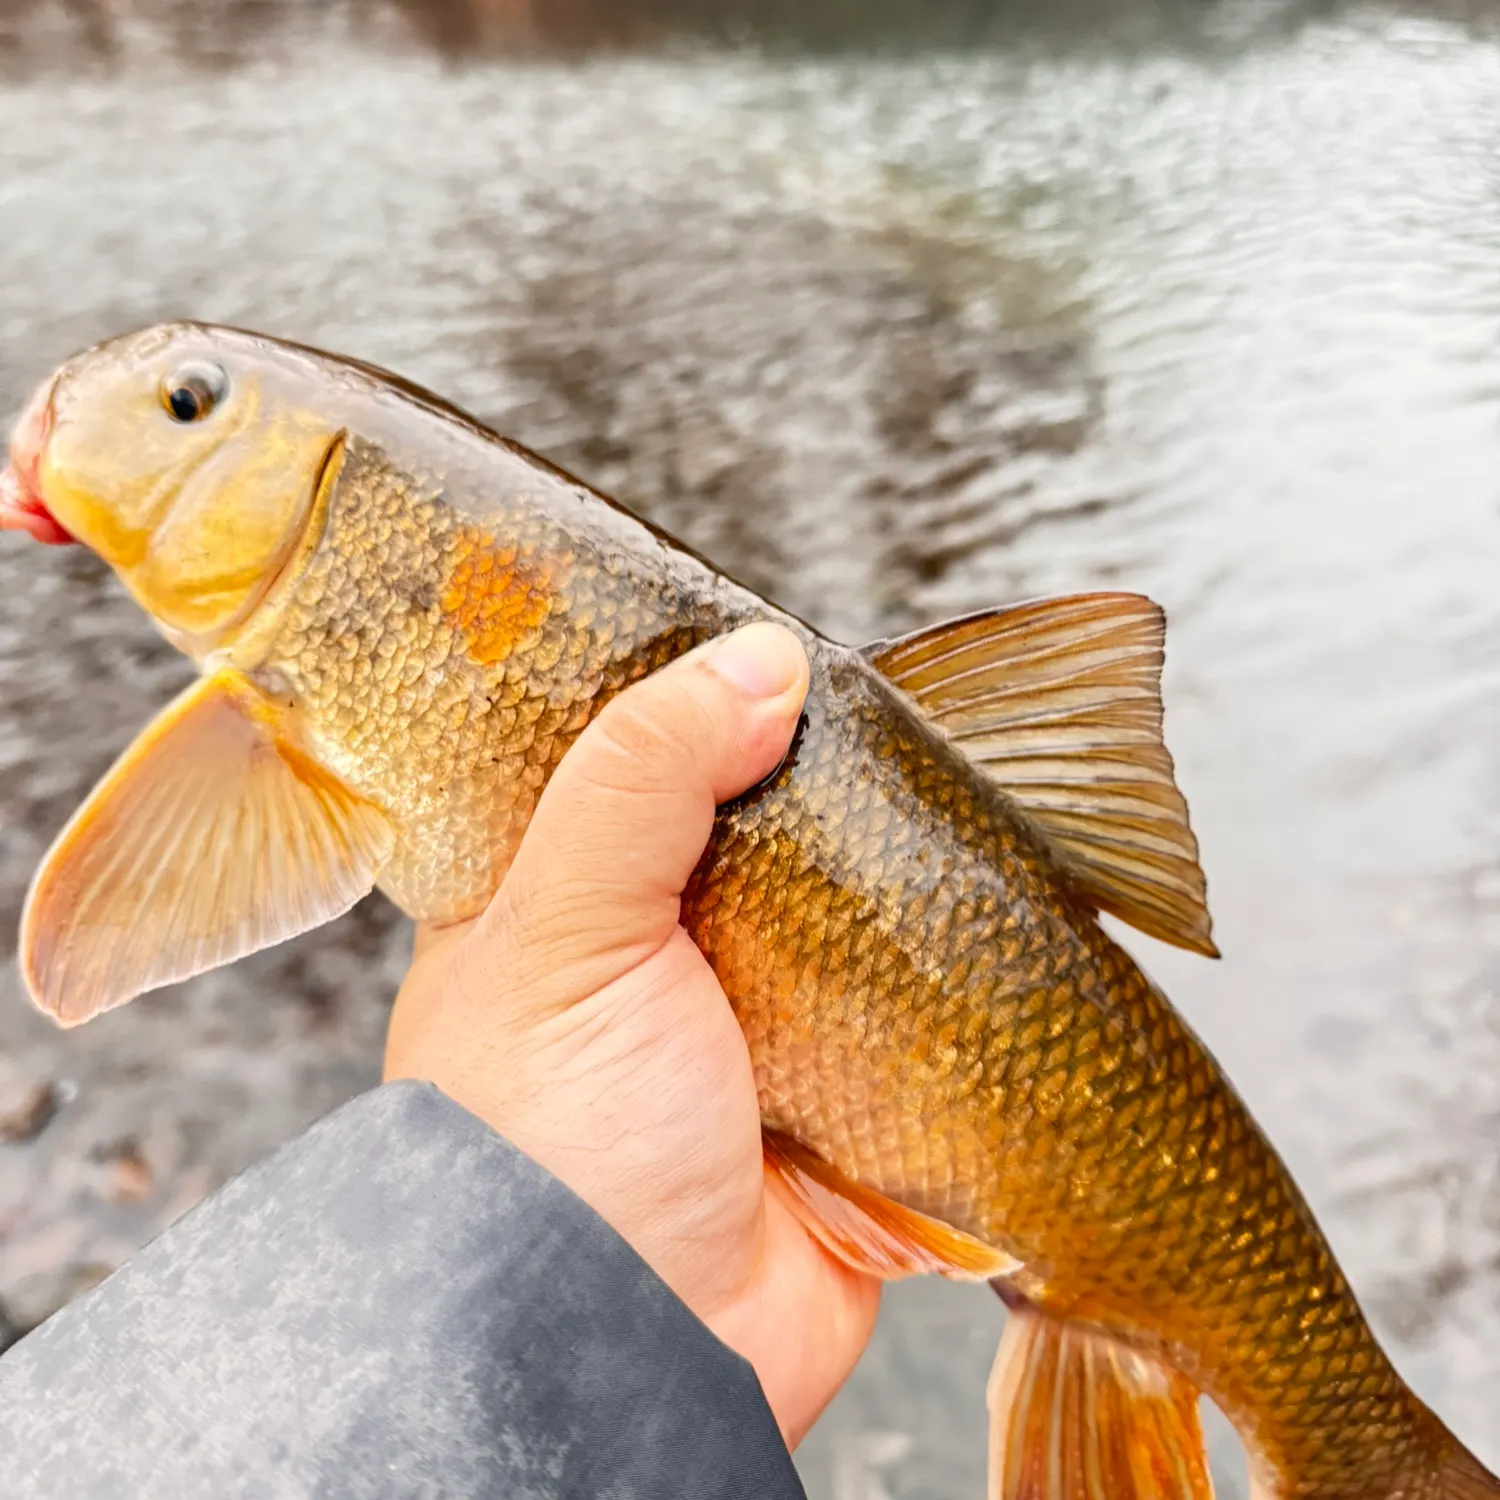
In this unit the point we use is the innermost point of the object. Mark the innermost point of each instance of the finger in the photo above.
(595, 884)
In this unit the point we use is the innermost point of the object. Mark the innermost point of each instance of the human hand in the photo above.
(578, 1019)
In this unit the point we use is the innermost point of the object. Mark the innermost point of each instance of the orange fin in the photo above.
(1462, 1477)
(1060, 702)
(1076, 1416)
(868, 1231)
(211, 836)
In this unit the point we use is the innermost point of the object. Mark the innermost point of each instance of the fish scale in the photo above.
(1062, 1028)
(410, 718)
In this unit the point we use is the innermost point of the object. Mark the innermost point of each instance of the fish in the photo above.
(402, 620)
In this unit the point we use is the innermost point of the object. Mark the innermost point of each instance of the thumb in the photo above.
(594, 887)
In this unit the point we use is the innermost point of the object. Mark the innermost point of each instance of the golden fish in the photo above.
(401, 623)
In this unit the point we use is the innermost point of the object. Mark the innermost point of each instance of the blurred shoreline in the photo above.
(38, 33)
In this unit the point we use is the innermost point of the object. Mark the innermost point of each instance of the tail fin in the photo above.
(1074, 1414)
(1463, 1477)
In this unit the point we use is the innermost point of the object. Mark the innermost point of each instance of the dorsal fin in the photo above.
(1060, 702)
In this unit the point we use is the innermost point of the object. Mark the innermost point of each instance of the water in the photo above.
(1210, 311)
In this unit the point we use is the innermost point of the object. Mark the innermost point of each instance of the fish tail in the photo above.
(1074, 1414)
(1462, 1477)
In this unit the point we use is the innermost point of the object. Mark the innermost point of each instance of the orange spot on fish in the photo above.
(495, 595)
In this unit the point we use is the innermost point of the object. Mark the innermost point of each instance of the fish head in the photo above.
(189, 458)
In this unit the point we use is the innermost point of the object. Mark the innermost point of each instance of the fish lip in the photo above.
(21, 505)
(22, 509)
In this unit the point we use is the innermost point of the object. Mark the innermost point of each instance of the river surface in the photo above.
(1211, 314)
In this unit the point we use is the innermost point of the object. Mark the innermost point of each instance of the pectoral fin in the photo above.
(869, 1231)
(1074, 1414)
(1060, 702)
(212, 836)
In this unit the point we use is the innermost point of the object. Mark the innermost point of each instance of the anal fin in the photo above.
(869, 1231)
(1076, 1416)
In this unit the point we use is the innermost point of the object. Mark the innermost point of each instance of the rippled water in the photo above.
(891, 339)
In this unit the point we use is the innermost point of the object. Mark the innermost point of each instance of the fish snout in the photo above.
(21, 505)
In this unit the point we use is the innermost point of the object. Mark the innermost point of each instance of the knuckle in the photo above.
(649, 738)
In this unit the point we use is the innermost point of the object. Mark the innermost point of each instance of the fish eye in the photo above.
(194, 390)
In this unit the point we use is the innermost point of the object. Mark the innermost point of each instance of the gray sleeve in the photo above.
(397, 1304)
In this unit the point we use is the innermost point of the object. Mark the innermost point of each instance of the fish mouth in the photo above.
(21, 505)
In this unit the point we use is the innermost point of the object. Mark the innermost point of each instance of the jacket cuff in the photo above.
(396, 1304)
